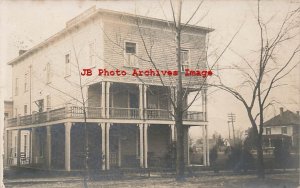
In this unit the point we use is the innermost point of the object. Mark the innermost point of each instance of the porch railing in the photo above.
(91, 112)
(158, 114)
(193, 116)
(96, 113)
(126, 113)
(57, 114)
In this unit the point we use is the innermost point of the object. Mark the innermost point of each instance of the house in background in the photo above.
(282, 128)
(128, 118)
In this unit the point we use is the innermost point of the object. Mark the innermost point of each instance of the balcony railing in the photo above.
(158, 114)
(193, 115)
(57, 114)
(96, 113)
(124, 113)
(91, 112)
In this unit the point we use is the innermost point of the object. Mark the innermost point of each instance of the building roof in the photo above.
(87, 15)
(284, 118)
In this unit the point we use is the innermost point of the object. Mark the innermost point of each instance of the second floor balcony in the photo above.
(77, 112)
(116, 101)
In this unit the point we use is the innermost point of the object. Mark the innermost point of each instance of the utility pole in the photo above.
(231, 118)
(228, 130)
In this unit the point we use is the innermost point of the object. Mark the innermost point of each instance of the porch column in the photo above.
(204, 146)
(6, 147)
(18, 147)
(207, 145)
(107, 145)
(68, 127)
(204, 104)
(146, 145)
(141, 102)
(48, 147)
(173, 96)
(29, 146)
(188, 145)
(107, 99)
(173, 136)
(145, 100)
(103, 156)
(141, 154)
(103, 99)
(33, 145)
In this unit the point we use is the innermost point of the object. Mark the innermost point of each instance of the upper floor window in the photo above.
(48, 69)
(92, 53)
(184, 57)
(26, 82)
(67, 65)
(283, 130)
(17, 86)
(131, 54)
(268, 130)
(40, 105)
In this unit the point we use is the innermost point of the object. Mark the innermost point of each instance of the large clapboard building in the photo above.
(129, 121)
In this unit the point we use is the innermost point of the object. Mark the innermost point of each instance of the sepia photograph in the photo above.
(140, 93)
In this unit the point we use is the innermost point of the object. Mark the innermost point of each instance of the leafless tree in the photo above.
(263, 74)
(178, 89)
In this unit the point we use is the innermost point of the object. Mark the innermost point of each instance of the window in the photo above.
(184, 57)
(268, 130)
(283, 130)
(5, 115)
(130, 54)
(26, 82)
(67, 65)
(25, 109)
(92, 53)
(48, 69)
(40, 105)
(48, 100)
(17, 86)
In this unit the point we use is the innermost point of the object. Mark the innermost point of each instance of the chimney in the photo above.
(22, 52)
(281, 111)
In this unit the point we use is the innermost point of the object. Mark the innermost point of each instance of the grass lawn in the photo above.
(209, 180)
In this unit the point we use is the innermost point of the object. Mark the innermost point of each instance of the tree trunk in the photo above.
(179, 100)
(179, 148)
(260, 158)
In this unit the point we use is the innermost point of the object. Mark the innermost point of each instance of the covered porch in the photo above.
(106, 146)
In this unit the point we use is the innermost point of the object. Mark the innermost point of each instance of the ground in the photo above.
(288, 179)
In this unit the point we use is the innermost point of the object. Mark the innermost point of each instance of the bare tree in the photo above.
(262, 75)
(178, 87)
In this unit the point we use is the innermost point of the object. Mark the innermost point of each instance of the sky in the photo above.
(34, 21)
